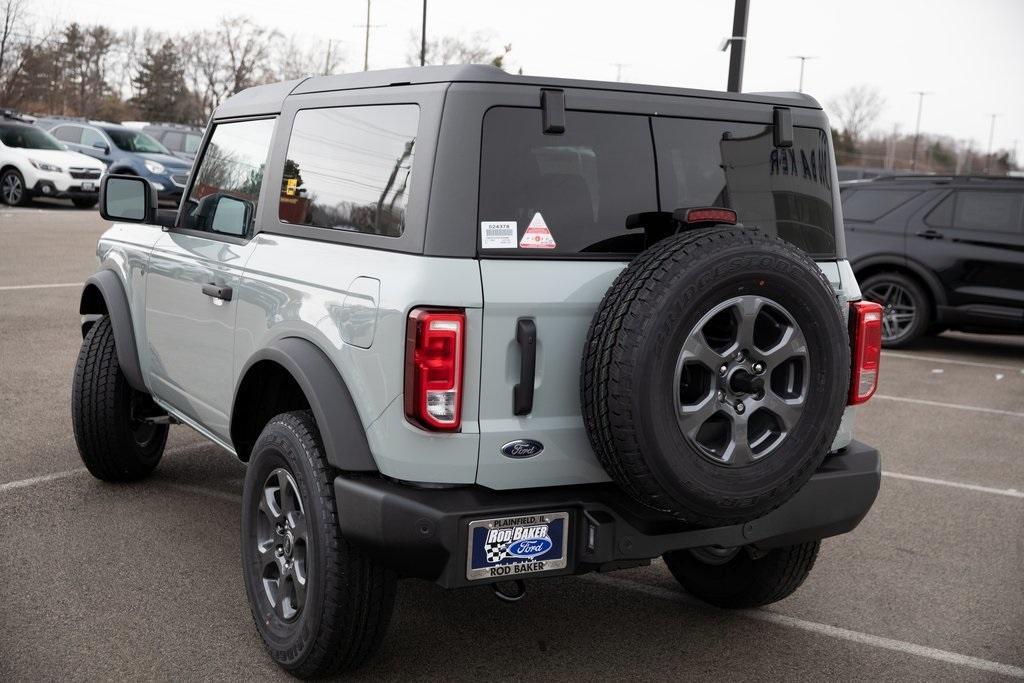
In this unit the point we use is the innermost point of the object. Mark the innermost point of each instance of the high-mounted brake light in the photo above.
(710, 215)
(433, 368)
(866, 343)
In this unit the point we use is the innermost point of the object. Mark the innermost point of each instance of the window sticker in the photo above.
(498, 234)
(537, 235)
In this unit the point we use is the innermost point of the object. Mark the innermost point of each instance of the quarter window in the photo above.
(870, 205)
(227, 182)
(72, 134)
(350, 168)
(997, 211)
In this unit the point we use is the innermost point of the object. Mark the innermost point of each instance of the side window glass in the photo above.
(72, 134)
(870, 205)
(91, 138)
(172, 141)
(942, 215)
(227, 181)
(349, 168)
(192, 143)
(997, 211)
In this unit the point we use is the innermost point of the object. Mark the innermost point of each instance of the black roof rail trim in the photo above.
(942, 179)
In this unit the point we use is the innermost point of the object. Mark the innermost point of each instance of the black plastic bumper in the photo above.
(423, 532)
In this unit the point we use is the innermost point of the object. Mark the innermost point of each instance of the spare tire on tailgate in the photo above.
(715, 374)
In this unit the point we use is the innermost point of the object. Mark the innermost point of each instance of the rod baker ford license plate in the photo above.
(517, 546)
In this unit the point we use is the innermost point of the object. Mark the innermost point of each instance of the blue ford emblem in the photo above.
(529, 547)
(522, 448)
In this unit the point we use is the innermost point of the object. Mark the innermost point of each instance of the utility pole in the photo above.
(367, 26)
(991, 133)
(618, 70)
(917, 128)
(327, 59)
(737, 41)
(802, 58)
(423, 36)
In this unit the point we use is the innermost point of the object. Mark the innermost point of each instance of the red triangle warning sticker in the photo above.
(537, 235)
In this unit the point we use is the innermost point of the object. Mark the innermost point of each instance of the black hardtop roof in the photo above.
(267, 99)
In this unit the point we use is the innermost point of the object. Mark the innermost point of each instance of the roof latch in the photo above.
(782, 118)
(552, 103)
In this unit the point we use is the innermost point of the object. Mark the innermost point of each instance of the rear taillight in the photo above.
(433, 368)
(711, 214)
(866, 342)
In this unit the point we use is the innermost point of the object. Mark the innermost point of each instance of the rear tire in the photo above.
(900, 296)
(114, 446)
(747, 578)
(320, 605)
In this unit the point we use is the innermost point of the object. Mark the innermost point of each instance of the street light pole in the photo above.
(738, 41)
(423, 36)
(802, 58)
(917, 128)
(991, 133)
(366, 49)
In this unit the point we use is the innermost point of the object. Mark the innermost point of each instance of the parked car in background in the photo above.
(938, 252)
(125, 151)
(865, 172)
(182, 140)
(34, 164)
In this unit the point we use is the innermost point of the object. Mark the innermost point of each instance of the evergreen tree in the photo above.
(160, 86)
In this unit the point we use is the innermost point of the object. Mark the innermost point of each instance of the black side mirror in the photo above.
(127, 198)
(101, 147)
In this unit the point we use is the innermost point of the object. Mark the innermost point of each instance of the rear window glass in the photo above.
(568, 193)
(783, 191)
(349, 168)
(870, 205)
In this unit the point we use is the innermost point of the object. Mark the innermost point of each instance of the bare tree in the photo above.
(472, 49)
(298, 56)
(12, 16)
(857, 109)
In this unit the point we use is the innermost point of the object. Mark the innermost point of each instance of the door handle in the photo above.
(522, 394)
(217, 291)
(930, 234)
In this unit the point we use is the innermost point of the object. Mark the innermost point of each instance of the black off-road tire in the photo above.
(649, 308)
(922, 323)
(85, 203)
(748, 579)
(349, 597)
(113, 446)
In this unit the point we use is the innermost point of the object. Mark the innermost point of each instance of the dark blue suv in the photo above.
(124, 150)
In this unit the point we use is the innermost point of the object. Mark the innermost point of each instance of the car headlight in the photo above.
(155, 167)
(43, 166)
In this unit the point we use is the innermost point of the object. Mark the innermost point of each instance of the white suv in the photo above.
(35, 164)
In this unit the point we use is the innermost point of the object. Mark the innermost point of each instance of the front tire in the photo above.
(320, 605)
(113, 443)
(13, 191)
(742, 577)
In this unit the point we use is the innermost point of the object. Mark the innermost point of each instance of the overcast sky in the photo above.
(968, 53)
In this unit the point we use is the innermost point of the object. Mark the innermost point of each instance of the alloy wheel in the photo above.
(741, 380)
(898, 310)
(282, 544)
(11, 189)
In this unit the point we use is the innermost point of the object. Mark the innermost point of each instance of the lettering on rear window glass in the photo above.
(350, 168)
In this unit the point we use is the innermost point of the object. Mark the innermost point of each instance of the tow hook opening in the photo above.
(512, 590)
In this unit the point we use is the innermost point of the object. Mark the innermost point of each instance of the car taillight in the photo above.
(711, 214)
(433, 368)
(866, 342)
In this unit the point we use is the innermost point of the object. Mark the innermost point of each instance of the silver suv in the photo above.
(473, 328)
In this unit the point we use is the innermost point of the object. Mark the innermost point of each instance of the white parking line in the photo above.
(51, 286)
(32, 481)
(825, 629)
(951, 361)
(955, 406)
(1012, 493)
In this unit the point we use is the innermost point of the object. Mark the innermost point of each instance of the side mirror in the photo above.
(127, 198)
(101, 147)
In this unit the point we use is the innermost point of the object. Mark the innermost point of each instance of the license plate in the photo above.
(511, 547)
(88, 187)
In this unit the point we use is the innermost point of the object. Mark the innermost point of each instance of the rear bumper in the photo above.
(423, 533)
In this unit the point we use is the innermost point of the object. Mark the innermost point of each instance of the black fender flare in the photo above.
(901, 262)
(103, 293)
(335, 412)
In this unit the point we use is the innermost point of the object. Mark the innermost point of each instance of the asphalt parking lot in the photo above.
(143, 581)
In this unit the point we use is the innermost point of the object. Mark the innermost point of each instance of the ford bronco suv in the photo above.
(474, 328)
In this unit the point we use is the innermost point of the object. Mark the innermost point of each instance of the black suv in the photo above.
(938, 252)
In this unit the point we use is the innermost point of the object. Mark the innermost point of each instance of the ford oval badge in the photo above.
(522, 448)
